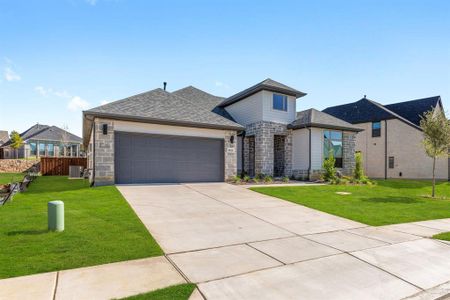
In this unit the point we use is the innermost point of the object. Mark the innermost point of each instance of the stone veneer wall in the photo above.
(104, 152)
(348, 148)
(264, 133)
(17, 165)
(230, 154)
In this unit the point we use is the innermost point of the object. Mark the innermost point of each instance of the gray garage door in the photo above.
(145, 158)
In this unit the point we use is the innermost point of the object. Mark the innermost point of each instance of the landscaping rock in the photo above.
(17, 165)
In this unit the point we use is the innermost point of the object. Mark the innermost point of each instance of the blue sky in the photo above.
(59, 57)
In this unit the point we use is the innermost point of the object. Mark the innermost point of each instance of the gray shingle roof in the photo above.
(315, 118)
(159, 106)
(413, 110)
(366, 110)
(204, 99)
(268, 84)
(47, 133)
(4, 136)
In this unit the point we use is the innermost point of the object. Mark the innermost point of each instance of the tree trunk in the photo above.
(434, 179)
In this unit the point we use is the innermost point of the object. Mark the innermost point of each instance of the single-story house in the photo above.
(391, 142)
(43, 140)
(190, 135)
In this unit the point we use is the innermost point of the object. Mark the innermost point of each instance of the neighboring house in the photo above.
(190, 135)
(43, 140)
(4, 137)
(391, 142)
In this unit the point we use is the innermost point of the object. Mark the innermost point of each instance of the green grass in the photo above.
(6, 178)
(442, 236)
(387, 202)
(175, 292)
(100, 227)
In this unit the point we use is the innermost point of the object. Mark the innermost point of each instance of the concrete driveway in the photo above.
(238, 244)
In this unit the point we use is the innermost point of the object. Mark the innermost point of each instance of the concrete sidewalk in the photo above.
(116, 280)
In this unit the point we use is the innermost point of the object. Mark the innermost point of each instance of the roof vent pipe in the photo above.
(165, 84)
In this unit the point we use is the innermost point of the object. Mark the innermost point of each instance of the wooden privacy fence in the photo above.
(60, 165)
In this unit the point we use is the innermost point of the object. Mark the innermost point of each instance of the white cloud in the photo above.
(10, 75)
(77, 103)
(221, 84)
(51, 92)
(91, 2)
(104, 102)
(41, 90)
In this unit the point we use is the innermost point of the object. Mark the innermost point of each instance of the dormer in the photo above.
(268, 100)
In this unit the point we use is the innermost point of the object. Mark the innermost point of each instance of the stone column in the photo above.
(288, 154)
(230, 154)
(348, 155)
(104, 153)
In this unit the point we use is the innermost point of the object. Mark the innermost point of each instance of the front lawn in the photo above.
(442, 236)
(100, 227)
(6, 178)
(387, 202)
(175, 292)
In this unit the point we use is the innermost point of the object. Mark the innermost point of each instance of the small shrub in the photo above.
(329, 173)
(260, 176)
(236, 180)
(268, 179)
(246, 178)
(285, 179)
(256, 180)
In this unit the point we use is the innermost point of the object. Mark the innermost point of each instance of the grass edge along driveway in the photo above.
(387, 202)
(445, 236)
(174, 292)
(100, 228)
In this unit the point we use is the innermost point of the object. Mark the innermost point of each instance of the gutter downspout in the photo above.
(242, 154)
(309, 163)
(93, 154)
(385, 149)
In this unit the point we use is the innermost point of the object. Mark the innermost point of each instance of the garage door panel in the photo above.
(145, 158)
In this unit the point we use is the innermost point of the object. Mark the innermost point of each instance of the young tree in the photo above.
(358, 173)
(65, 139)
(436, 137)
(329, 169)
(16, 141)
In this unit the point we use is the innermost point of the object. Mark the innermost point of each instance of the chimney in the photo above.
(165, 84)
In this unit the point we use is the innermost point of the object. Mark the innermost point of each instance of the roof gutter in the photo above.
(162, 121)
(324, 126)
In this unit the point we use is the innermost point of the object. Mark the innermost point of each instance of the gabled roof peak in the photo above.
(267, 84)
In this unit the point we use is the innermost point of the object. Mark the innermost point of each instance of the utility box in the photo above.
(56, 215)
(76, 171)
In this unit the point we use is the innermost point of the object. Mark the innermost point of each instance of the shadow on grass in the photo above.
(391, 200)
(47, 185)
(27, 232)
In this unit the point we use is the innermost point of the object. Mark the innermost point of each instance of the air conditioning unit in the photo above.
(76, 171)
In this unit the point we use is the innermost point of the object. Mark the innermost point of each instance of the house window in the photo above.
(280, 102)
(61, 150)
(376, 129)
(50, 150)
(391, 162)
(332, 143)
(33, 149)
(41, 149)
